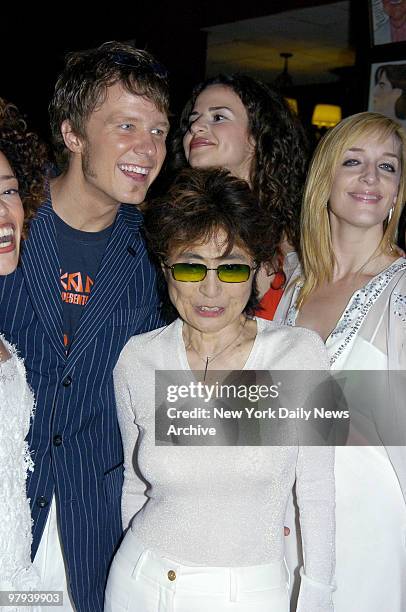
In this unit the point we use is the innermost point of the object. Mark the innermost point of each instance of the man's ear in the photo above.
(72, 141)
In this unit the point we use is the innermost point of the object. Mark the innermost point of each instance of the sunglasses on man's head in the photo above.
(195, 272)
(122, 58)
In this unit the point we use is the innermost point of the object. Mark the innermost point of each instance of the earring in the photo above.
(390, 214)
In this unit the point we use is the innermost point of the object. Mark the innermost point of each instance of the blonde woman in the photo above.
(351, 290)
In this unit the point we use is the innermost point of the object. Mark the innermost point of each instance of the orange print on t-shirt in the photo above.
(75, 286)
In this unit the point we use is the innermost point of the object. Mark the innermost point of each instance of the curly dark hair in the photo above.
(27, 156)
(281, 150)
(83, 84)
(198, 204)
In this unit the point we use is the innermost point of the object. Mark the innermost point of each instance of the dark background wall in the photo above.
(34, 41)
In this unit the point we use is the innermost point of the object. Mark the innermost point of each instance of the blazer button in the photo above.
(132, 251)
(42, 502)
(171, 575)
(67, 381)
(57, 440)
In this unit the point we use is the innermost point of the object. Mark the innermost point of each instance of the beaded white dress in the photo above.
(16, 410)
(370, 507)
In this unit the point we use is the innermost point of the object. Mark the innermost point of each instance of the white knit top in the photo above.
(224, 506)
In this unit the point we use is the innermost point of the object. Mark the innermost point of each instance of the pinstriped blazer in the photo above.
(74, 438)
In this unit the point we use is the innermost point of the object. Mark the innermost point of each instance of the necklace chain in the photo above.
(209, 359)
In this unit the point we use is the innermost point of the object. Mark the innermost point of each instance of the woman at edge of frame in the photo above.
(351, 289)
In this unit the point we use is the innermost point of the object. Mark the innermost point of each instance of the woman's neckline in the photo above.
(182, 348)
(364, 287)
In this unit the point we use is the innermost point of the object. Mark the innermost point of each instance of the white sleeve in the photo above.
(293, 272)
(396, 327)
(396, 342)
(315, 489)
(133, 495)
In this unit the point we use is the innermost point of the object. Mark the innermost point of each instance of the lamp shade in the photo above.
(326, 115)
(292, 103)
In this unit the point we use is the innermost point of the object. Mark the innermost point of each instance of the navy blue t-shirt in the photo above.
(80, 254)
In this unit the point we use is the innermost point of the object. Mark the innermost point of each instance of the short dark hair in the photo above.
(27, 156)
(197, 205)
(396, 75)
(278, 169)
(83, 84)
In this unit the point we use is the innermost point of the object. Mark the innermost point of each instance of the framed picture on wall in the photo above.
(388, 21)
(387, 89)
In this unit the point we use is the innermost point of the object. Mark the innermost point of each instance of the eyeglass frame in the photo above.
(171, 268)
(124, 58)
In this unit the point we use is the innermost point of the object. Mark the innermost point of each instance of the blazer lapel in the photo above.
(123, 253)
(41, 270)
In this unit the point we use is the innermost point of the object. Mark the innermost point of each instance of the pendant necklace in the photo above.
(210, 358)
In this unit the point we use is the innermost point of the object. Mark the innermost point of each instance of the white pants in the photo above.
(49, 560)
(140, 579)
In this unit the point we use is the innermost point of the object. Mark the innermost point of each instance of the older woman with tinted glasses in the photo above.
(208, 532)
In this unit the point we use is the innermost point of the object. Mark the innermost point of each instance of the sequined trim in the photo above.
(399, 303)
(292, 312)
(359, 306)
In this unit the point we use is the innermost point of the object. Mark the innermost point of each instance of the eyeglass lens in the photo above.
(227, 273)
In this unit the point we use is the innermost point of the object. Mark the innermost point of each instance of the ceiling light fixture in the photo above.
(284, 80)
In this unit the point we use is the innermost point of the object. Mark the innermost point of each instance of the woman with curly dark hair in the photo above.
(27, 156)
(22, 162)
(238, 123)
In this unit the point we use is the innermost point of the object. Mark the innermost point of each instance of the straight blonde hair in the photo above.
(317, 254)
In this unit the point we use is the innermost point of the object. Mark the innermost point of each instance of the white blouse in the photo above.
(16, 410)
(371, 510)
